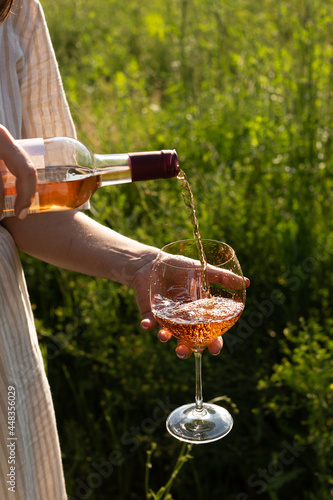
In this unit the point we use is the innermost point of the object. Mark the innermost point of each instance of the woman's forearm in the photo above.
(74, 241)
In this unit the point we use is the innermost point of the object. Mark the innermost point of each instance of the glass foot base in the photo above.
(199, 426)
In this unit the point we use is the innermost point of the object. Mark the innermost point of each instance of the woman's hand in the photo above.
(148, 322)
(19, 164)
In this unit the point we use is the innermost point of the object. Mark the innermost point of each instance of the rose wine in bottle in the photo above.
(68, 173)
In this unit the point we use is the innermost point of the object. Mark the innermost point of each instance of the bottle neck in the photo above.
(132, 167)
(113, 169)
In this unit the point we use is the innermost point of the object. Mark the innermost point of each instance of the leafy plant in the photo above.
(243, 91)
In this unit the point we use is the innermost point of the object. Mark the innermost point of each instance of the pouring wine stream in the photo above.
(189, 203)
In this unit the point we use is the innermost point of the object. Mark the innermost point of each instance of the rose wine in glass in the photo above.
(197, 311)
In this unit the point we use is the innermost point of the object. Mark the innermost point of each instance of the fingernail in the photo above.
(181, 356)
(162, 339)
(24, 212)
(216, 353)
(247, 281)
(181, 353)
(145, 324)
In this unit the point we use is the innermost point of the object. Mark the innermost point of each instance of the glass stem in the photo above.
(198, 381)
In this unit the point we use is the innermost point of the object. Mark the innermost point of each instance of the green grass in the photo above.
(243, 90)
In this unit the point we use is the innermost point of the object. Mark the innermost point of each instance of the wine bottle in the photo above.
(68, 173)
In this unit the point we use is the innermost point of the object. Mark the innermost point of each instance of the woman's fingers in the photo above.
(184, 352)
(26, 183)
(215, 274)
(164, 335)
(20, 165)
(226, 278)
(216, 346)
(148, 321)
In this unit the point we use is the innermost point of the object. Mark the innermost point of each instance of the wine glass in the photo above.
(198, 292)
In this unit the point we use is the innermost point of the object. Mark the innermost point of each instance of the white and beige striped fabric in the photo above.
(32, 104)
(31, 444)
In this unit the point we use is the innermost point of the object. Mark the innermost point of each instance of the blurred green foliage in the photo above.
(243, 90)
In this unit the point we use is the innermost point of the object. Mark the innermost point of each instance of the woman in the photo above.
(33, 104)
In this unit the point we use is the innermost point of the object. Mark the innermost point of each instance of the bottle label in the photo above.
(35, 149)
(9, 203)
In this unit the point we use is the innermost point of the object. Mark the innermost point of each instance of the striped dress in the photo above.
(32, 104)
